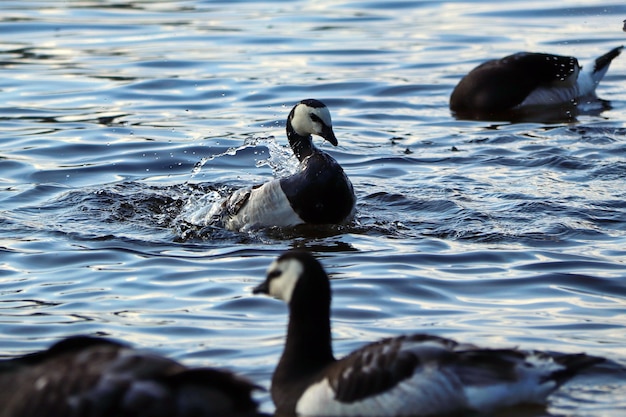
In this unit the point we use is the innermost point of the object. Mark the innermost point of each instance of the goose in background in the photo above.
(84, 376)
(527, 80)
(414, 375)
(318, 193)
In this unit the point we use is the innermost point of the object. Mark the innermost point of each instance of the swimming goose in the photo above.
(414, 375)
(527, 79)
(319, 193)
(85, 376)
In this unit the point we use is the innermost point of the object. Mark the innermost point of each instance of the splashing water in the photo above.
(281, 159)
(204, 208)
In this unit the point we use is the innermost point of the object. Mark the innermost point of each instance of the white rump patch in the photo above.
(528, 388)
(582, 83)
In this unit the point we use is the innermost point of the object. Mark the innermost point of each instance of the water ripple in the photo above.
(119, 121)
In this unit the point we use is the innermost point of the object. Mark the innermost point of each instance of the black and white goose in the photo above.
(525, 80)
(319, 193)
(415, 375)
(86, 376)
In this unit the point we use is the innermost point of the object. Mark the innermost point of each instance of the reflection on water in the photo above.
(121, 124)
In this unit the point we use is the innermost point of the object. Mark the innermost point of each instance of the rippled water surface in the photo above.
(120, 122)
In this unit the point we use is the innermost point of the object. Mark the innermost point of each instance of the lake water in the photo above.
(120, 121)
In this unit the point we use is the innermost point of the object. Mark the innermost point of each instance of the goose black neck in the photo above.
(308, 347)
(302, 146)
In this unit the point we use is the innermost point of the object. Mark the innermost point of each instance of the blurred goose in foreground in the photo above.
(319, 193)
(525, 80)
(86, 376)
(415, 375)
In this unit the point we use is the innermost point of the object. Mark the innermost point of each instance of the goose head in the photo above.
(296, 274)
(311, 117)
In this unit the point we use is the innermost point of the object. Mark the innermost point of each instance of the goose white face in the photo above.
(309, 120)
(283, 276)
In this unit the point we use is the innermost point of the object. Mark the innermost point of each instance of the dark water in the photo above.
(121, 123)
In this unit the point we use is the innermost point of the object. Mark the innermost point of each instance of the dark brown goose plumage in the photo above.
(84, 376)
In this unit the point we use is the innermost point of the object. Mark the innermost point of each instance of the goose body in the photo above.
(318, 193)
(527, 79)
(413, 375)
(91, 377)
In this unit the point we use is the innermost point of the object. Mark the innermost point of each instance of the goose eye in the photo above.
(316, 118)
(273, 274)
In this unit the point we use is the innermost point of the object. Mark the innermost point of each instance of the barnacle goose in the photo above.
(413, 375)
(318, 193)
(84, 376)
(525, 80)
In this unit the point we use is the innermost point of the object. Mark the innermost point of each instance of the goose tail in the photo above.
(592, 73)
(605, 60)
(572, 364)
(601, 64)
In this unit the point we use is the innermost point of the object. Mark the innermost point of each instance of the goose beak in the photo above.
(329, 135)
(262, 288)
